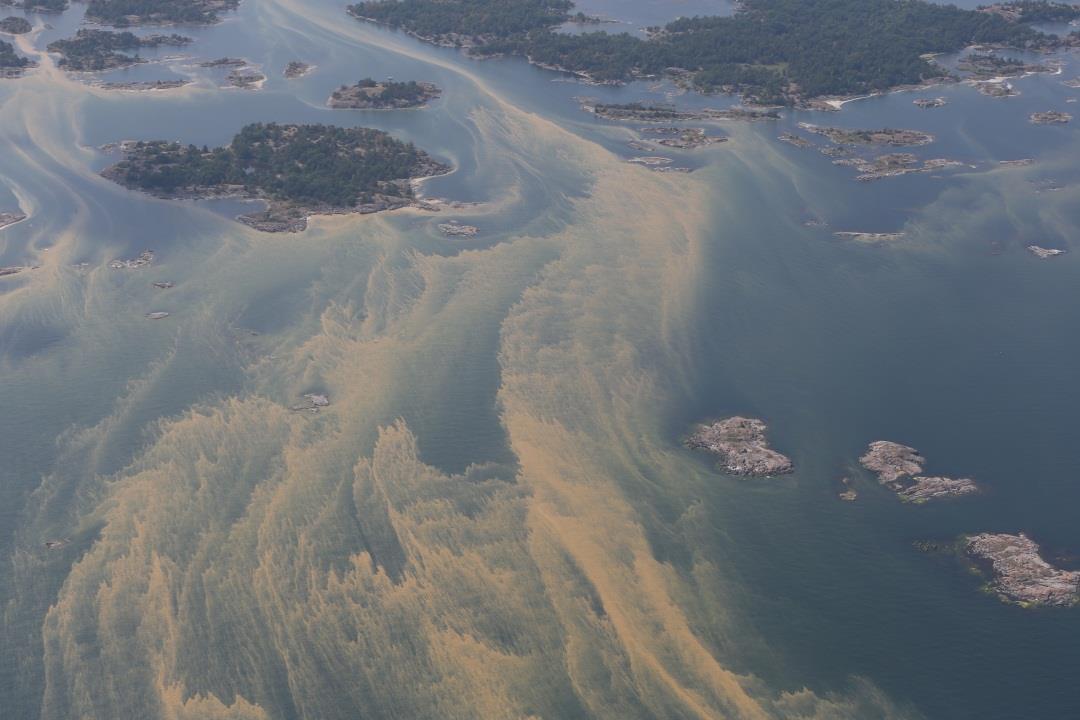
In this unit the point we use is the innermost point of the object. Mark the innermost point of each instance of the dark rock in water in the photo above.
(1020, 574)
(741, 445)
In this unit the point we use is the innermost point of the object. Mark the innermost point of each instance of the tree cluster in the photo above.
(9, 58)
(92, 50)
(771, 50)
(307, 164)
(122, 13)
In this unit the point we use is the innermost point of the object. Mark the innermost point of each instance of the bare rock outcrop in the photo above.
(741, 446)
(1020, 574)
(899, 467)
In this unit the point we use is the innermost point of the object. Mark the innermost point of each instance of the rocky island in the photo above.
(456, 229)
(666, 112)
(368, 94)
(10, 218)
(885, 136)
(683, 138)
(142, 260)
(794, 140)
(13, 25)
(125, 13)
(245, 78)
(1019, 573)
(898, 467)
(928, 103)
(1044, 253)
(296, 69)
(869, 237)
(988, 65)
(298, 170)
(893, 165)
(1050, 117)
(96, 50)
(741, 445)
(145, 85)
(12, 65)
(14, 269)
(997, 88)
(224, 62)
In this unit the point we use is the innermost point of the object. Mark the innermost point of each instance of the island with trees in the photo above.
(96, 50)
(297, 69)
(298, 170)
(770, 51)
(368, 94)
(12, 64)
(38, 6)
(125, 13)
(13, 25)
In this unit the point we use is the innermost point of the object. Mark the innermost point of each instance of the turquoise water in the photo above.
(954, 340)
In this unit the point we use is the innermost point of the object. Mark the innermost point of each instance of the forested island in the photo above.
(368, 94)
(300, 170)
(11, 63)
(770, 51)
(15, 25)
(124, 13)
(94, 50)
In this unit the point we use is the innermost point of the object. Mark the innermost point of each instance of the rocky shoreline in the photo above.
(1019, 573)
(741, 446)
